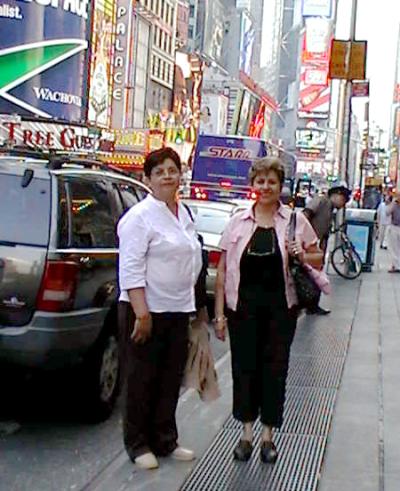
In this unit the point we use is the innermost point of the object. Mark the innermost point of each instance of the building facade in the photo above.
(163, 14)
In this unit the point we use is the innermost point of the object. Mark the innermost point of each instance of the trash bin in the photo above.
(361, 229)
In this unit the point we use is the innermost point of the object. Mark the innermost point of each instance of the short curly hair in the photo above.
(266, 165)
(157, 157)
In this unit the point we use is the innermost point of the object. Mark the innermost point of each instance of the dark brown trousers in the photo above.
(151, 378)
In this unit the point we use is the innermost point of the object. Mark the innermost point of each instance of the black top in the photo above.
(261, 269)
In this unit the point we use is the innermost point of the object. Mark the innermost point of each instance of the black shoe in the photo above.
(318, 311)
(243, 451)
(268, 453)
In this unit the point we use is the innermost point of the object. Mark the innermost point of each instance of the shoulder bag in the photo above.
(307, 290)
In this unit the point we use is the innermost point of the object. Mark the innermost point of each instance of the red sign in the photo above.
(52, 137)
(360, 89)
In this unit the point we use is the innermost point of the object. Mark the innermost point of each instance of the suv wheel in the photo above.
(102, 377)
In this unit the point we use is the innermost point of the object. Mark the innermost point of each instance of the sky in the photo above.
(378, 22)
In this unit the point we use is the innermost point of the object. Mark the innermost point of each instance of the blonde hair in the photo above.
(266, 165)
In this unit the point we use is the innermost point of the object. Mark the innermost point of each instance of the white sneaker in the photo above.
(147, 461)
(183, 454)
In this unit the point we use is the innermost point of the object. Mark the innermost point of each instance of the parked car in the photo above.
(58, 268)
(210, 218)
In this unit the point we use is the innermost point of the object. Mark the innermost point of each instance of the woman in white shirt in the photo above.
(159, 262)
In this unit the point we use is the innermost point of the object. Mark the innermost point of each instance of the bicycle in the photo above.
(344, 258)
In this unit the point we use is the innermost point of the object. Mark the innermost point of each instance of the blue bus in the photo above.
(221, 166)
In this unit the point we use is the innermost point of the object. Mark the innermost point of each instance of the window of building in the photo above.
(190, 32)
(191, 11)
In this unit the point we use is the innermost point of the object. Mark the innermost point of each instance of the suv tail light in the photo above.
(57, 291)
(213, 258)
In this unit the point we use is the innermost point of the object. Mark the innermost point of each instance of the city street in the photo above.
(341, 415)
(53, 450)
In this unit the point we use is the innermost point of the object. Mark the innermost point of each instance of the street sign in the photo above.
(358, 59)
(338, 59)
(348, 60)
(360, 89)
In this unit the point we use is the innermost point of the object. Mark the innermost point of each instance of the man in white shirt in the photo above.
(159, 262)
(384, 221)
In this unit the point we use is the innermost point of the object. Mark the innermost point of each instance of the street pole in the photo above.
(349, 89)
(345, 103)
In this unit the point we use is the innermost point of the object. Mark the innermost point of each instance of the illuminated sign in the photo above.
(309, 139)
(101, 69)
(49, 136)
(40, 42)
(123, 62)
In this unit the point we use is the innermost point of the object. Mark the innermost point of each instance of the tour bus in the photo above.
(221, 166)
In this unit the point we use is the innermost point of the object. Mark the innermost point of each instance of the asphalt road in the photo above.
(44, 443)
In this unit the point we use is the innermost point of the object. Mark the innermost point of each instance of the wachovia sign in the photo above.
(44, 58)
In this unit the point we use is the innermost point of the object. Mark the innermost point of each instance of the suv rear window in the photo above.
(24, 212)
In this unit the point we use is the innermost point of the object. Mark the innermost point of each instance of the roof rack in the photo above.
(23, 152)
(55, 160)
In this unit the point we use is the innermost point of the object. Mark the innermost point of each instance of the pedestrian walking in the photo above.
(320, 213)
(254, 279)
(384, 221)
(393, 212)
(160, 260)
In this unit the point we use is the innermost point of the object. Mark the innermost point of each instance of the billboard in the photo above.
(246, 42)
(317, 8)
(214, 29)
(214, 114)
(314, 94)
(311, 141)
(101, 66)
(43, 58)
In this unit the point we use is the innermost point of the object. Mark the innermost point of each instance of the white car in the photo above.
(211, 218)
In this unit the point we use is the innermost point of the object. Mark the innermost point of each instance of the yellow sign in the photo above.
(358, 58)
(338, 59)
(348, 60)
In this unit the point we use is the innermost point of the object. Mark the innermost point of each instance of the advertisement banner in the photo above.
(43, 58)
(214, 114)
(317, 8)
(246, 43)
(101, 66)
(214, 29)
(314, 94)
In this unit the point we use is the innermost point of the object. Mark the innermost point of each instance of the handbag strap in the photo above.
(292, 227)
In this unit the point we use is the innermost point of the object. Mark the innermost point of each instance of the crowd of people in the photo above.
(256, 301)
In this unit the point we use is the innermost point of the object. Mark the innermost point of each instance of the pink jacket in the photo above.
(236, 236)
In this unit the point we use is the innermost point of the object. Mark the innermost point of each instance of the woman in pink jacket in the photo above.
(254, 281)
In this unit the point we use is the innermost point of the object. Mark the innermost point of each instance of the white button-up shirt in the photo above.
(160, 253)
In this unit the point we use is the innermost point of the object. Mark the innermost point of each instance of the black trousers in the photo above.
(260, 340)
(151, 378)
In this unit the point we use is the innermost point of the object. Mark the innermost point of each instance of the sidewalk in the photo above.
(342, 425)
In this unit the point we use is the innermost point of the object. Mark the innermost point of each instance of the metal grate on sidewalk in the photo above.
(316, 365)
(308, 411)
(300, 458)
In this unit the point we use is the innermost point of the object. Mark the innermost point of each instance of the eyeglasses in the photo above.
(170, 172)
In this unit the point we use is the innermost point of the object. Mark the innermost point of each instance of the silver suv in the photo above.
(58, 268)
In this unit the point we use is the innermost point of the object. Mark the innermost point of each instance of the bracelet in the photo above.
(218, 319)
